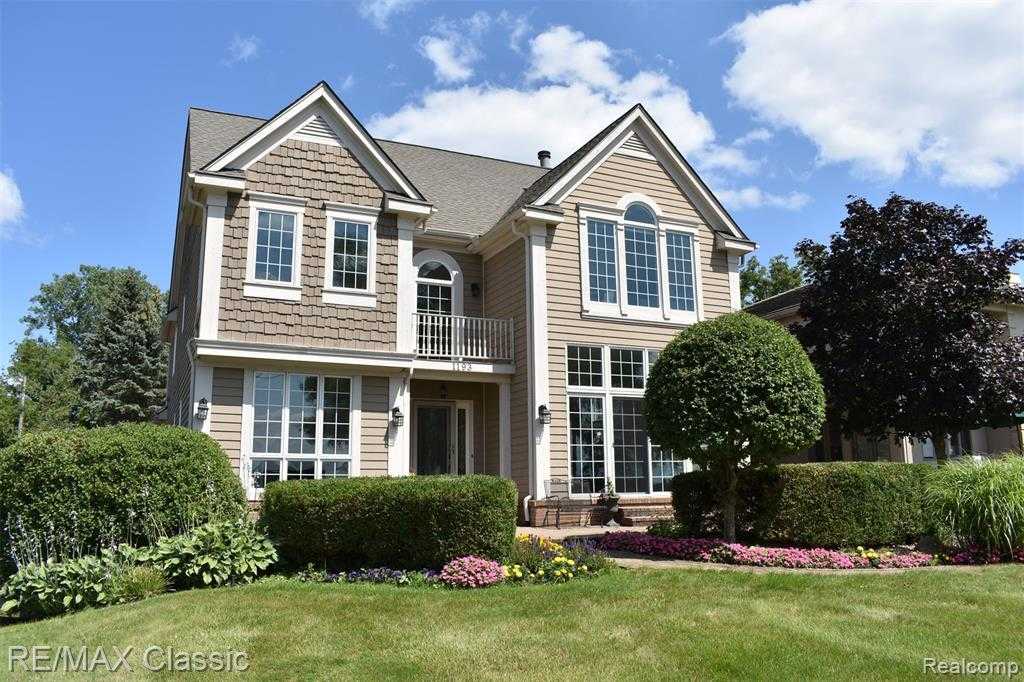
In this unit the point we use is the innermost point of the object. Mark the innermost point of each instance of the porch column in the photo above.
(406, 304)
(213, 248)
(505, 435)
(540, 434)
(398, 436)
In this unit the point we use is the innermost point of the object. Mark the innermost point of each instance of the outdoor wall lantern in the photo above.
(203, 410)
(474, 289)
(544, 414)
(397, 418)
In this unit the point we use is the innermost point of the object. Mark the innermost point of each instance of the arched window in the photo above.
(434, 270)
(438, 283)
(640, 213)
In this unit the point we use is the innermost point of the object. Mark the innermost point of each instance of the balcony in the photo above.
(464, 338)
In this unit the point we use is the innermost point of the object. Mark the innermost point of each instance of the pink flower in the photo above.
(471, 571)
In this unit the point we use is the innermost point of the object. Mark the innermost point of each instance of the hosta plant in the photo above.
(220, 553)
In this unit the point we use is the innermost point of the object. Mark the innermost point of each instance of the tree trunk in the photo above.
(939, 442)
(730, 483)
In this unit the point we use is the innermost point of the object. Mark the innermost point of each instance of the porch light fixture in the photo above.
(474, 290)
(397, 418)
(544, 414)
(203, 410)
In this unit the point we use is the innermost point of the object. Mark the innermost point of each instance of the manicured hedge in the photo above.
(76, 491)
(838, 504)
(411, 522)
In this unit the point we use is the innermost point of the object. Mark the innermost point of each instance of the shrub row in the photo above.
(73, 492)
(413, 522)
(838, 504)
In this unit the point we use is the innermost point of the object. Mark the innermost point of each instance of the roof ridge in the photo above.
(456, 151)
(225, 113)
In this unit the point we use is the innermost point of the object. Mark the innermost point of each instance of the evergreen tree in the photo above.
(123, 358)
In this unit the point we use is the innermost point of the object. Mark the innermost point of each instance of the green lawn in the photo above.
(689, 624)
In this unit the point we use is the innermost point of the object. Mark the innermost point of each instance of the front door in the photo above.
(433, 439)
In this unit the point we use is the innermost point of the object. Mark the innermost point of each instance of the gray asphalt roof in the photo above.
(771, 304)
(469, 193)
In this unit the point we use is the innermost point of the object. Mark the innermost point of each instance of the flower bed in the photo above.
(722, 552)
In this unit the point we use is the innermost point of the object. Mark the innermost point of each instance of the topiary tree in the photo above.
(733, 392)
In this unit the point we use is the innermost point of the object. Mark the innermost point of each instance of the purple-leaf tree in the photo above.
(903, 322)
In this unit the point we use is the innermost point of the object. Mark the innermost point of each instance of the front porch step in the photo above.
(645, 516)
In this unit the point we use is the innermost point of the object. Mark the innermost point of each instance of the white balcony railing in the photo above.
(464, 338)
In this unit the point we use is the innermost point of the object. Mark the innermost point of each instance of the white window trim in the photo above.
(608, 394)
(363, 298)
(621, 310)
(457, 284)
(248, 413)
(259, 288)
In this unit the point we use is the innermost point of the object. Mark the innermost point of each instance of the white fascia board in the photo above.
(291, 115)
(469, 370)
(733, 246)
(217, 182)
(242, 351)
(407, 207)
(499, 237)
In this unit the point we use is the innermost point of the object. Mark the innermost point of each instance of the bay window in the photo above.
(638, 264)
(301, 427)
(607, 432)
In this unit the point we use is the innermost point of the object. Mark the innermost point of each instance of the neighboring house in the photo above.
(346, 306)
(833, 446)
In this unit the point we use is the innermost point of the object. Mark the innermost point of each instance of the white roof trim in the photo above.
(217, 182)
(663, 150)
(318, 100)
(734, 246)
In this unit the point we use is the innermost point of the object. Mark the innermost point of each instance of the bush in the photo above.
(979, 504)
(839, 504)
(213, 554)
(72, 492)
(39, 590)
(412, 522)
(138, 582)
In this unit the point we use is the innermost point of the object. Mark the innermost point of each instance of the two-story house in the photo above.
(347, 306)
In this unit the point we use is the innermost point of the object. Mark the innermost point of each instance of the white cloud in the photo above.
(886, 85)
(242, 49)
(451, 57)
(12, 213)
(348, 83)
(731, 158)
(563, 104)
(517, 26)
(755, 197)
(755, 135)
(379, 12)
(12, 208)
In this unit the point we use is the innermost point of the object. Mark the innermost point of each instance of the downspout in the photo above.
(529, 496)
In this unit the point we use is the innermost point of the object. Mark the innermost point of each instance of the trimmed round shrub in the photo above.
(410, 522)
(837, 504)
(72, 492)
(979, 504)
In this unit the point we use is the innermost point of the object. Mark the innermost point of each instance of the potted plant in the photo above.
(611, 502)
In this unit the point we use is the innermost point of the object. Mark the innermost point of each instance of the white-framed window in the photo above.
(350, 270)
(274, 248)
(299, 426)
(638, 264)
(607, 432)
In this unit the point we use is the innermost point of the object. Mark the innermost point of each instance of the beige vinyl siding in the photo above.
(505, 277)
(373, 451)
(491, 459)
(318, 173)
(226, 412)
(617, 176)
(472, 272)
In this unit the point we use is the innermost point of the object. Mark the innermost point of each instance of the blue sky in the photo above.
(784, 110)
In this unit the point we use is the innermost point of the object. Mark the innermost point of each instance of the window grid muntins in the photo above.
(351, 255)
(586, 447)
(317, 411)
(629, 445)
(664, 466)
(641, 266)
(601, 255)
(585, 366)
(434, 298)
(627, 367)
(679, 257)
(275, 243)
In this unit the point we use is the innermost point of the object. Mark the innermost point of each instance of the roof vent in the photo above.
(544, 156)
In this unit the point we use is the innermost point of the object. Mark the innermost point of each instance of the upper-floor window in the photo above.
(638, 264)
(274, 253)
(434, 289)
(351, 257)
